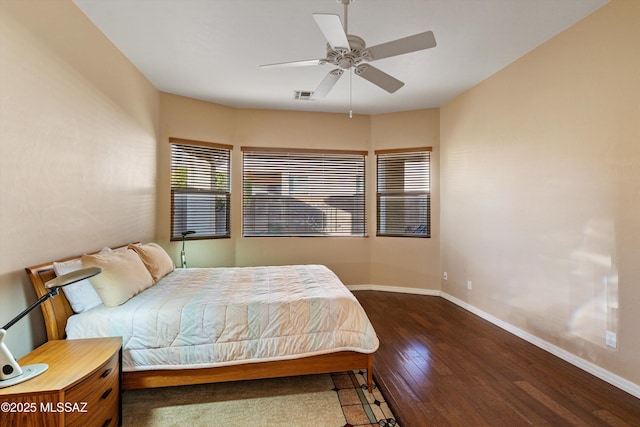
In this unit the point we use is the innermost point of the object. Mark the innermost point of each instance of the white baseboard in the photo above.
(595, 370)
(397, 289)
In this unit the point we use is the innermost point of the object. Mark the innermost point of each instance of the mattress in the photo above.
(207, 317)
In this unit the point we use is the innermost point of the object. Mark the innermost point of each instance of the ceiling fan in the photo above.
(348, 51)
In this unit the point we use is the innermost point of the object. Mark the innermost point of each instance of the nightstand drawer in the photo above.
(100, 392)
(80, 388)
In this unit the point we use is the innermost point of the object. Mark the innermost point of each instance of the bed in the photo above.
(197, 326)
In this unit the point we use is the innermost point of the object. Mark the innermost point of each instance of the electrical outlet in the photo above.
(469, 286)
(611, 339)
(444, 275)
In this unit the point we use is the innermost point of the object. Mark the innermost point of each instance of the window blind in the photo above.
(303, 192)
(200, 189)
(403, 193)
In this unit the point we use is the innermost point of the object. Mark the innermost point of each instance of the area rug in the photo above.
(331, 400)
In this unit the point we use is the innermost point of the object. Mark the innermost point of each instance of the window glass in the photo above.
(303, 193)
(403, 193)
(200, 189)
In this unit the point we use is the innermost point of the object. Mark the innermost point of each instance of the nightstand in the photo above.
(80, 388)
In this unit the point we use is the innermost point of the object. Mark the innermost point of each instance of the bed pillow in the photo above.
(81, 295)
(154, 257)
(123, 276)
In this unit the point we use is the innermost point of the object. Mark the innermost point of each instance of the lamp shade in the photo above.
(73, 277)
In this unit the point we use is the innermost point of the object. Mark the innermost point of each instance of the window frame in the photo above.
(213, 149)
(359, 207)
(404, 195)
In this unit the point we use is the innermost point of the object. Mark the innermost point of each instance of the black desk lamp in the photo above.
(183, 255)
(11, 372)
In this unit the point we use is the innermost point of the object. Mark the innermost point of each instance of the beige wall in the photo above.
(540, 190)
(357, 261)
(78, 138)
(405, 262)
(202, 121)
(347, 256)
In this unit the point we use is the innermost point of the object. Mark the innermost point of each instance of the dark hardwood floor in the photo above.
(439, 365)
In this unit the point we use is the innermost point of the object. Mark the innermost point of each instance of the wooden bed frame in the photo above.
(57, 310)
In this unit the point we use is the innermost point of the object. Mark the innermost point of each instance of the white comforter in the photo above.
(205, 317)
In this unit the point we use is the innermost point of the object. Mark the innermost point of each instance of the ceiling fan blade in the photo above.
(331, 27)
(327, 83)
(378, 78)
(306, 63)
(409, 44)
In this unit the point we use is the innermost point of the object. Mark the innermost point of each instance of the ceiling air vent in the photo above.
(303, 95)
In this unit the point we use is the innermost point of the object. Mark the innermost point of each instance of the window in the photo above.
(403, 195)
(303, 192)
(200, 189)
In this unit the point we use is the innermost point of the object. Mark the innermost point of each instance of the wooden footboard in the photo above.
(332, 362)
(56, 311)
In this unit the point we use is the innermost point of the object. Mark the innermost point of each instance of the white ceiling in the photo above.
(211, 49)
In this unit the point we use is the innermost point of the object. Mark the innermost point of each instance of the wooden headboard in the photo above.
(57, 310)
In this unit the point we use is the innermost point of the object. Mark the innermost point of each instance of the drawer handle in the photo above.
(106, 393)
(106, 423)
(105, 373)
